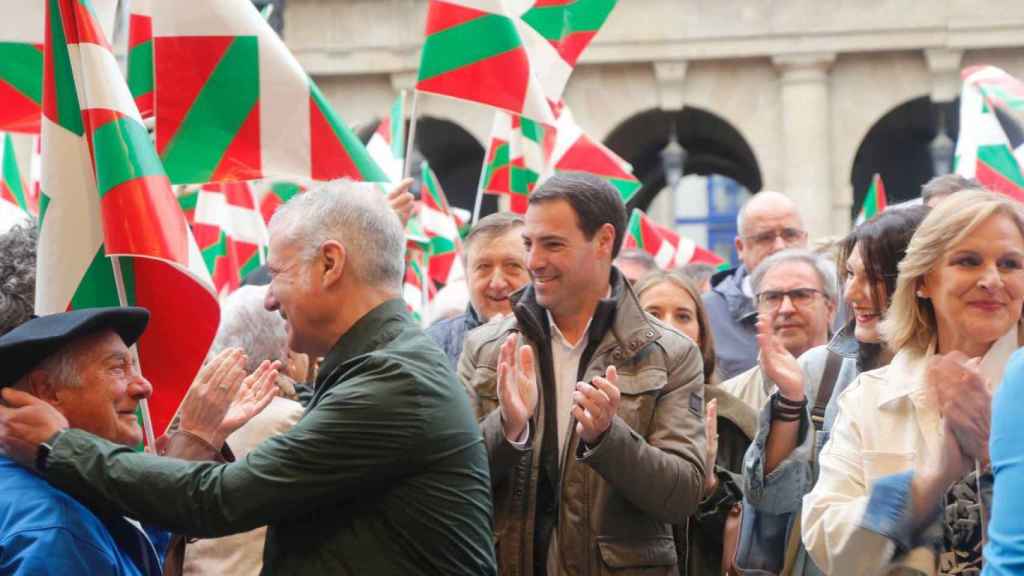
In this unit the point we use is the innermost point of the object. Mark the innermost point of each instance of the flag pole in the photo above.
(480, 190)
(147, 420)
(424, 288)
(412, 135)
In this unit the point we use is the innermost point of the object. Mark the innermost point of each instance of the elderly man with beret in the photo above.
(80, 364)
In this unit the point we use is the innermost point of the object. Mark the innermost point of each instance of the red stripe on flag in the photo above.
(6, 194)
(545, 3)
(238, 194)
(145, 103)
(269, 205)
(181, 67)
(242, 160)
(96, 118)
(329, 158)
(140, 30)
(587, 156)
(133, 223)
(573, 45)
(440, 265)
(499, 182)
(179, 332)
(995, 181)
(518, 203)
(88, 30)
(19, 113)
(479, 81)
(443, 16)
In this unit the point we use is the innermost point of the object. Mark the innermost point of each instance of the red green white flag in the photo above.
(575, 151)
(418, 290)
(272, 193)
(440, 226)
(229, 229)
(517, 157)
(140, 56)
(386, 145)
(232, 103)
(13, 188)
(665, 245)
(21, 67)
(474, 50)
(990, 147)
(875, 201)
(104, 195)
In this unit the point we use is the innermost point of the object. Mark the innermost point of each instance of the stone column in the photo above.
(805, 137)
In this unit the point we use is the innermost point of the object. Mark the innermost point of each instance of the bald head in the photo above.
(767, 223)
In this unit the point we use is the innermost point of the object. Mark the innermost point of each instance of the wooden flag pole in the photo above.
(122, 298)
(407, 169)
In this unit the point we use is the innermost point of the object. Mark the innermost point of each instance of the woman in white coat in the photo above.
(954, 321)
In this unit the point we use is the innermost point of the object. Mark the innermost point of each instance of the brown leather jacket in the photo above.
(616, 502)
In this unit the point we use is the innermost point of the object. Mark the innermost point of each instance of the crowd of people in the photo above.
(847, 408)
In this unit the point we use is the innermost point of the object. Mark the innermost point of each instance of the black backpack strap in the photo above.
(833, 363)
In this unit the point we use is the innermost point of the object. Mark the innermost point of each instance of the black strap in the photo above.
(833, 363)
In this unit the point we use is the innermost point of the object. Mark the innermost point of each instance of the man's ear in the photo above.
(333, 259)
(40, 385)
(739, 245)
(606, 238)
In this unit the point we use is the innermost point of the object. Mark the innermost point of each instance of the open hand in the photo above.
(595, 405)
(26, 422)
(517, 387)
(401, 200)
(963, 399)
(211, 395)
(257, 391)
(777, 363)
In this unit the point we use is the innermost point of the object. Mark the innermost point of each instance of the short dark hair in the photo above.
(17, 276)
(490, 227)
(947, 184)
(595, 202)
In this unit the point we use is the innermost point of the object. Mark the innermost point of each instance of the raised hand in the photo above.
(25, 423)
(595, 405)
(401, 200)
(211, 395)
(777, 363)
(517, 387)
(711, 431)
(257, 391)
(963, 399)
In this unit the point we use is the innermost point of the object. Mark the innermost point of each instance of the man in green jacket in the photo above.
(386, 473)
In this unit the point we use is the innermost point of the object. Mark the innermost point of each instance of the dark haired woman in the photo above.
(781, 465)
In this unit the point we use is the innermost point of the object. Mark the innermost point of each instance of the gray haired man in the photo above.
(386, 473)
(795, 291)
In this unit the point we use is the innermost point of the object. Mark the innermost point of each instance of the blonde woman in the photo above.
(907, 432)
(730, 424)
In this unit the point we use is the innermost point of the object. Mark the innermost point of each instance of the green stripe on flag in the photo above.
(98, 288)
(398, 126)
(189, 201)
(636, 229)
(465, 44)
(251, 264)
(368, 169)
(216, 115)
(1003, 161)
(556, 22)
(11, 174)
(123, 152)
(627, 188)
(214, 251)
(140, 69)
(21, 66)
(285, 190)
(68, 112)
(441, 245)
(44, 204)
(522, 180)
(532, 130)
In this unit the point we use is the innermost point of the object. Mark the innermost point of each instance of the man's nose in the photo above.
(140, 387)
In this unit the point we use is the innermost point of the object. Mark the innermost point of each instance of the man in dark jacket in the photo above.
(495, 265)
(595, 425)
(767, 223)
(386, 473)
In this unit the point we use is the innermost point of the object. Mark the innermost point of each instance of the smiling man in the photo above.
(495, 262)
(796, 291)
(595, 425)
(386, 472)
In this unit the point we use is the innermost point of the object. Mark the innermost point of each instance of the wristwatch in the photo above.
(43, 451)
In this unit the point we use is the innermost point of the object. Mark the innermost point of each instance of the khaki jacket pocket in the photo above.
(638, 396)
(637, 556)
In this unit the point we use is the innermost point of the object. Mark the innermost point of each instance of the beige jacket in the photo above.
(750, 387)
(242, 554)
(616, 502)
(886, 424)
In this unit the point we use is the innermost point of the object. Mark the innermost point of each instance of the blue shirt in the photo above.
(45, 531)
(1004, 553)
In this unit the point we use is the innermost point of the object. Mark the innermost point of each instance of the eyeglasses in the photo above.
(800, 297)
(789, 236)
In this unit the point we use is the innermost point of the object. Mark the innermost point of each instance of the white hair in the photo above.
(358, 217)
(826, 273)
(246, 324)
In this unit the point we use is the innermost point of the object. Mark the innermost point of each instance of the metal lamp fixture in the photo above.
(673, 160)
(941, 147)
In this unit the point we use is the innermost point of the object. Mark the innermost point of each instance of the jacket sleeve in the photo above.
(662, 474)
(834, 511)
(336, 449)
(502, 455)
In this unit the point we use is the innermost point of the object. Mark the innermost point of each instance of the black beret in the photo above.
(23, 348)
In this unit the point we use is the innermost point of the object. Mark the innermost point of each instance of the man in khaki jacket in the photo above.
(592, 410)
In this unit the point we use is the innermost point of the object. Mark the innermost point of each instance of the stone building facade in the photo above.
(809, 97)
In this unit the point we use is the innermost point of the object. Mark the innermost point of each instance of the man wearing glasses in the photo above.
(767, 223)
(795, 295)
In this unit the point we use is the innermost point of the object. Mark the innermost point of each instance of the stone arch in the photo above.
(897, 147)
(455, 155)
(713, 145)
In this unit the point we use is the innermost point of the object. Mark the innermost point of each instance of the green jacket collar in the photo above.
(368, 333)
